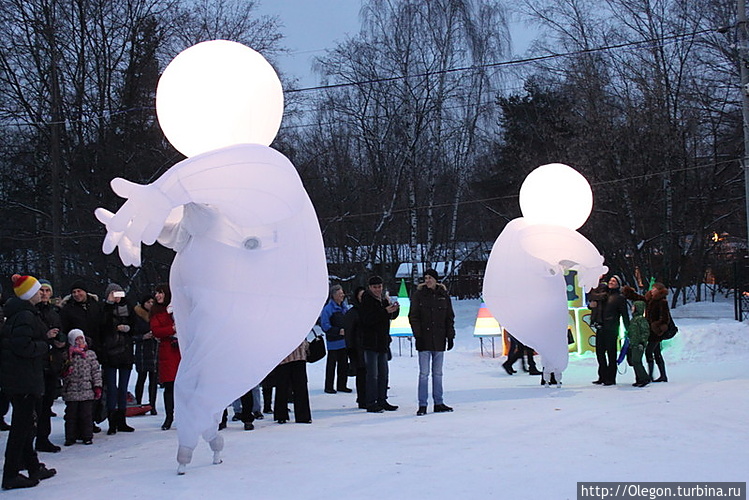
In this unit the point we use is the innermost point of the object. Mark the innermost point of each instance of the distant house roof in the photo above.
(404, 270)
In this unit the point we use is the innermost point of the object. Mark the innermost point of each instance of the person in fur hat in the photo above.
(433, 323)
(81, 379)
(658, 315)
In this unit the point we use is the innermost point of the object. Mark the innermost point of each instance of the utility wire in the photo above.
(514, 62)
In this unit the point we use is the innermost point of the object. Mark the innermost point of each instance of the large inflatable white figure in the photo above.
(250, 277)
(524, 284)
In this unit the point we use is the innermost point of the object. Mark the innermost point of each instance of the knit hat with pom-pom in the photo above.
(25, 286)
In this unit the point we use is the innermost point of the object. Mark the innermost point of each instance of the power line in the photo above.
(341, 218)
(664, 39)
(514, 62)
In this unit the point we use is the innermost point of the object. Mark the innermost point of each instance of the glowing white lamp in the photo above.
(556, 194)
(217, 94)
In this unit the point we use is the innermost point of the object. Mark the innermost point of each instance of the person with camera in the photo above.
(53, 362)
(375, 314)
(117, 356)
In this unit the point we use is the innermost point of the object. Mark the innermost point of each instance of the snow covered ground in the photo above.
(507, 438)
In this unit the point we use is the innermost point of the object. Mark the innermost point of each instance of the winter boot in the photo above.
(19, 481)
(113, 421)
(662, 369)
(532, 368)
(224, 419)
(650, 370)
(167, 422)
(122, 424)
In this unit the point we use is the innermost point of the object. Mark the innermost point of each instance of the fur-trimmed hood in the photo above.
(440, 287)
(142, 313)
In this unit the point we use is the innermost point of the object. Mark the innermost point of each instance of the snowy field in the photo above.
(508, 437)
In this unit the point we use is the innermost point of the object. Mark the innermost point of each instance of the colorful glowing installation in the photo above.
(487, 327)
(240, 220)
(400, 326)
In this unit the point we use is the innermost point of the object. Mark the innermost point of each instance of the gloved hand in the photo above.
(97, 392)
(450, 343)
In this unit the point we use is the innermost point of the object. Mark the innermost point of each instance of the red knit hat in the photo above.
(25, 286)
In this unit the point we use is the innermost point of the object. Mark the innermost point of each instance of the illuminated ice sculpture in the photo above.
(524, 284)
(240, 220)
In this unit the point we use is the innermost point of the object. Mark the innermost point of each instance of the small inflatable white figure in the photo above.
(250, 276)
(524, 284)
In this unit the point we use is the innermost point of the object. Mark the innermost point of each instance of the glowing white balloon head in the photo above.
(556, 194)
(216, 94)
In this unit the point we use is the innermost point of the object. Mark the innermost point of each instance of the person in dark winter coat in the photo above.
(116, 354)
(163, 328)
(82, 386)
(433, 324)
(375, 314)
(638, 334)
(82, 310)
(659, 316)
(50, 314)
(146, 347)
(354, 347)
(23, 348)
(613, 310)
(331, 322)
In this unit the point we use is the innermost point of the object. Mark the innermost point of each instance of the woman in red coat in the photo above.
(162, 326)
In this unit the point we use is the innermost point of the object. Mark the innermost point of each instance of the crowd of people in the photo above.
(84, 348)
(645, 320)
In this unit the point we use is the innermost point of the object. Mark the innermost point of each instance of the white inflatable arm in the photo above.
(248, 183)
(563, 248)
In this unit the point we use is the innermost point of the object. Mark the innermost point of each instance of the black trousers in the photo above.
(247, 402)
(169, 398)
(336, 366)
(606, 354)
(79, 420)
(153, 385)
(44, 408)
(19, 451)
(517, 351)
(292, 376)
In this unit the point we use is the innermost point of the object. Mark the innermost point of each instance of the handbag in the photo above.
(316, 349)
(671, 330)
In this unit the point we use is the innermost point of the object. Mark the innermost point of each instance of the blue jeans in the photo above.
(377, 377)
(116, 380)
(436, 358)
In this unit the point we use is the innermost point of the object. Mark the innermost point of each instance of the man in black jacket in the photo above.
(83, 311)
(433, 324)
(24, 346)
(613, 310)
(374, 316)
(53, 362)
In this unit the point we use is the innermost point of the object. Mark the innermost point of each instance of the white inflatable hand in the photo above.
(140, 219)
(589, 277)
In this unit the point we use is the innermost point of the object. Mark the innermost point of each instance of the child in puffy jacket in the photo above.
(638, 333)
(81, 378)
